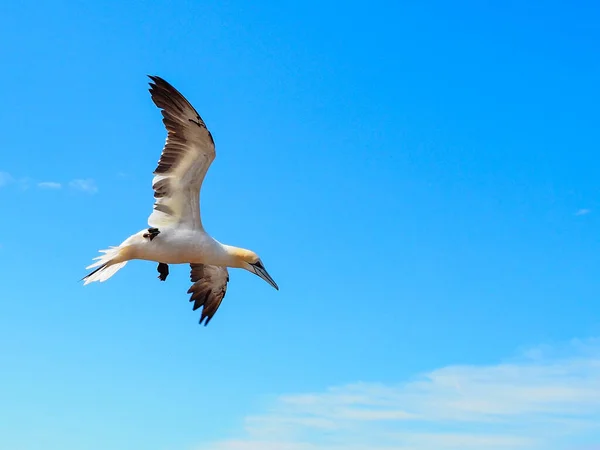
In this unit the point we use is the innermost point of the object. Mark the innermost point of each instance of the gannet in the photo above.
(175, 234)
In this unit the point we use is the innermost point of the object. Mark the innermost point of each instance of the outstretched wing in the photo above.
(186, 156)
(208, 290)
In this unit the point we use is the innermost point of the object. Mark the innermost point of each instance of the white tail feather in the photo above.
(109, 255)
(106, 265)
(104, 273)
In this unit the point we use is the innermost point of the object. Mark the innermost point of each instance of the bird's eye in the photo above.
(259, 264)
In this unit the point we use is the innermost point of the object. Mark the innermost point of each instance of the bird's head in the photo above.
(247, 259)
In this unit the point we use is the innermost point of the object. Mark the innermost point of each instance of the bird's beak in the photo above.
(262, 272)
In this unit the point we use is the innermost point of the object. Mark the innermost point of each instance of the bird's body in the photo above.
(175, 245)
(176, 234)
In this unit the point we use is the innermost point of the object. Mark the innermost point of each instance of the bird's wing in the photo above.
(208, 290)
(186, 156)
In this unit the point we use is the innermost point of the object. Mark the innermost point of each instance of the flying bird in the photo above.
(175, 234)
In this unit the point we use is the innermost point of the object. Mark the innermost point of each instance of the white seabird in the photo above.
(176, 235)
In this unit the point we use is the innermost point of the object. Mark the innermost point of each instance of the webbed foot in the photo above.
(163, 270)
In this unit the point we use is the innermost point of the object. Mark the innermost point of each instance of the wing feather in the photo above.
(209, 288)
(188, 153)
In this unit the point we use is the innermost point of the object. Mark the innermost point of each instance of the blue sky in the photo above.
(420, 179)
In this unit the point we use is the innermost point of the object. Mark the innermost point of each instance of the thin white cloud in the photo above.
(542, 400)
(5, 178)
(84, 185)
(583, 212)
(87, 185)
(49, 185)
(24, 183)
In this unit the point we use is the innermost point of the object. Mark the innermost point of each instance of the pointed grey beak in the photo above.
(260, 270)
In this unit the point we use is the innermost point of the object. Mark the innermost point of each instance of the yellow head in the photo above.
(247, 259)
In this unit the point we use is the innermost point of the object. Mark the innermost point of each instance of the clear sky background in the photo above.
(420, 178)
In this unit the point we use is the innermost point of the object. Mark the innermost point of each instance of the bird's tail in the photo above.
(106, 265)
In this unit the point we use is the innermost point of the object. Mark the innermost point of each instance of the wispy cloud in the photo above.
(22, 182)
(539, 401)
(583, 212)
(85, 185)
(49, 185)
(5, 178)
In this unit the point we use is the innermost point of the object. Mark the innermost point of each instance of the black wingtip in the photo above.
(160, 82)
(154, 82)
(204, 317)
